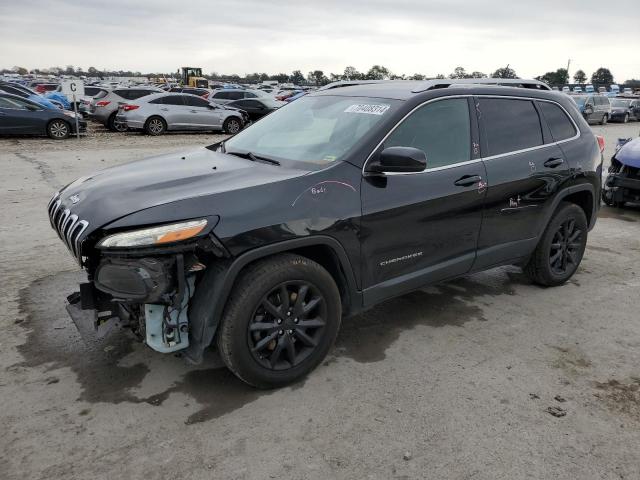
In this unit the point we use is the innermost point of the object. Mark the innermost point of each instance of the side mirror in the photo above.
(399, 160)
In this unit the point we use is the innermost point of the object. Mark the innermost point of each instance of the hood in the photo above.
(115, 192)
(629, 154)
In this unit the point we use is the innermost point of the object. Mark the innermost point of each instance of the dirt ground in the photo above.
(487, 377)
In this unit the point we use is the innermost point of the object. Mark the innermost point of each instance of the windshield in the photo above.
(620, 103)
(318, 130)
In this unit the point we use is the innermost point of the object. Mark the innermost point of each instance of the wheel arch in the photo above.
(582, 195)
(214, 288)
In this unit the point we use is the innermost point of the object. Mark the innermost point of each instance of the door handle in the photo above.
(467, 180)
(194, 111)
(553, 162)
(164, 109)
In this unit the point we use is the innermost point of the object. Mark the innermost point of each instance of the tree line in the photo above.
(601, 77)
(315, 77)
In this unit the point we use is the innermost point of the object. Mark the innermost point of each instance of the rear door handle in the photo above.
(194, 111)
(467, 180)
(553, 162)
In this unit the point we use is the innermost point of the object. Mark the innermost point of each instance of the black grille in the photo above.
(68, 225)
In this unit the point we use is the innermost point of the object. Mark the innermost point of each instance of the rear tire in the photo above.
(232, 125)
(626, 118)
(58, 129)
(113, 125)
(561, 248)
(280, 321)
(155, 126)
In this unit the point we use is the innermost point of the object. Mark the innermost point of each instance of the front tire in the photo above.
(155, 126)
(561, 248)
(58, 129)
(626, 118)
(604, 120)
(280, 321)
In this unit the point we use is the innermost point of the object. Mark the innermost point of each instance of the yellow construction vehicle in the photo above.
(192, 77)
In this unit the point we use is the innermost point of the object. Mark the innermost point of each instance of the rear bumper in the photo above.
(130, 123)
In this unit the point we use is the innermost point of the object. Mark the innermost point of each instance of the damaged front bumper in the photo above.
(620, 188)
(150, 296)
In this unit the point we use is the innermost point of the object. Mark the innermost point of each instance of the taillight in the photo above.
(40, 89)
(102, 103)
(600, 139)
(128, 107)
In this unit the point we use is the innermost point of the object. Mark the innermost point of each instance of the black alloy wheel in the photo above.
(566, 248)
(280, 320)
(287, 325)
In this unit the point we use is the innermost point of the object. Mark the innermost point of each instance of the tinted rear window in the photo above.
(221, 95)
(509, 125)
(195, 101)
(560, 125)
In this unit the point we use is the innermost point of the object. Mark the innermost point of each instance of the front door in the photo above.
(203, 116)
(423, 227)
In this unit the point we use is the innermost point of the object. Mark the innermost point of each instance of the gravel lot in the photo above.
(450, 382)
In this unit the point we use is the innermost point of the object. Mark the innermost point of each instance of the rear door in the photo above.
(423, 227)
(525, 168)
(175, 112)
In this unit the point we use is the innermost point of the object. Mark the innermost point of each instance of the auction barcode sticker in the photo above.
(367, 108)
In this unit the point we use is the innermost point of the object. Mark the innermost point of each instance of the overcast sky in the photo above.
(245, 36)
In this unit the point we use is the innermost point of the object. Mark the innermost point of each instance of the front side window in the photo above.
(441, 129)
(509, 125)
(560, 125)
(315, 130)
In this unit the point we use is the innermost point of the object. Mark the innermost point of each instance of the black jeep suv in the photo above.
(336, 202)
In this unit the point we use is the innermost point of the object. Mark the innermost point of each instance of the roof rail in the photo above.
(424, 85)
(502, 82)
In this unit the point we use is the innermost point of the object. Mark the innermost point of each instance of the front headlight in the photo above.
(174, 232)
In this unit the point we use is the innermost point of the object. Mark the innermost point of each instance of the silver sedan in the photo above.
(162, 112)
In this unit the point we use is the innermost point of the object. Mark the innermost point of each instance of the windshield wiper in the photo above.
(254, 158)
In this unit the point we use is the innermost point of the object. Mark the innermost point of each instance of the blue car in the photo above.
(59, 97)
(623, 182)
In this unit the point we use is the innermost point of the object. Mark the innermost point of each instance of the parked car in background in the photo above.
(566, 89)
(161, 112)
(104, 108)
(624, 109)
(227, 95)
(201, 92)
(21, 116)
(623, 182)
(627, 91)
(602, 89)
(84, 101)
(594, 108)
(257, 107)
(295, 97)
(577, 89)
(45, 87)
(589, 89)
(25, 92)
